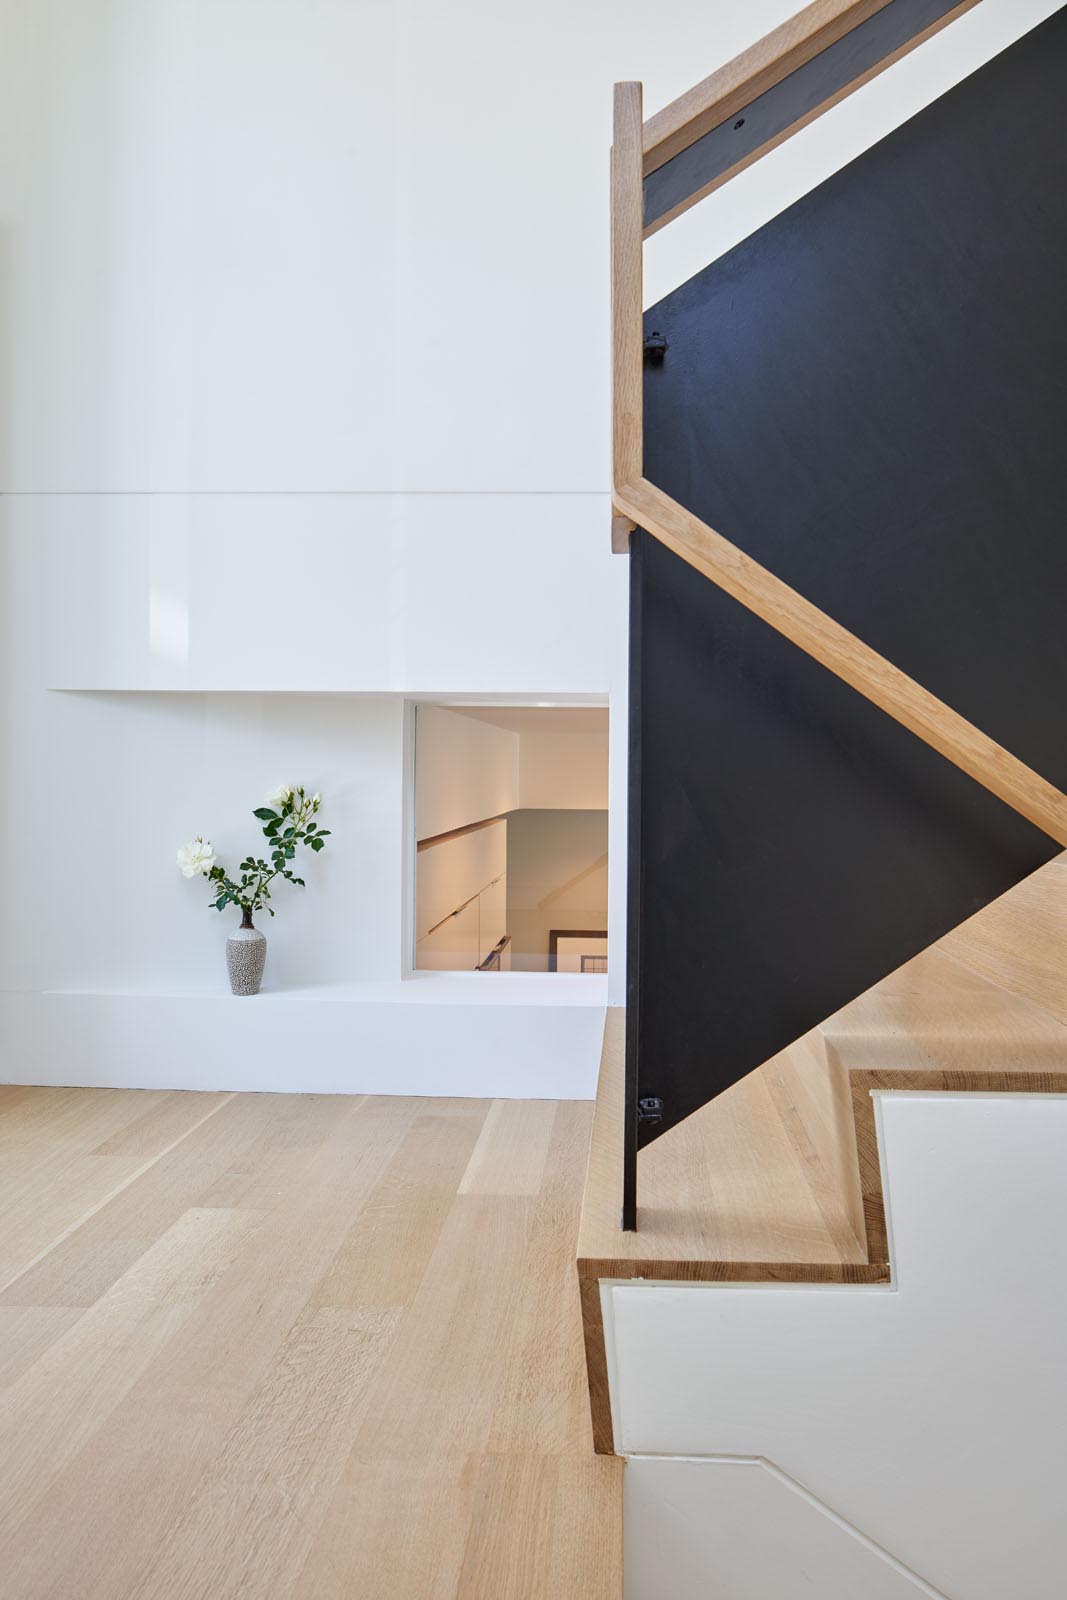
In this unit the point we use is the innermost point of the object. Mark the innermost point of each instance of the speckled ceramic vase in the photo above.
(246, 952)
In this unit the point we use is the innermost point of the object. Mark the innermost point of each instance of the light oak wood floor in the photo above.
(295, 1346)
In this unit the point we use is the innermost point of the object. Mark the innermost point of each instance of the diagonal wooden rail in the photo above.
(639, 503)
(819, 636)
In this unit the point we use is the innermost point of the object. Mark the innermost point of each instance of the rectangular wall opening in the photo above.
(511, 821)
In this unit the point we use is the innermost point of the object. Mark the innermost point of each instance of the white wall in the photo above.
(927, 1415)
(304, 388)
(465, 771)
(461, 898)
(348, 246)
(321, 244)
(697, 1527)
(98, 865)
(557, 878)
(564, 771)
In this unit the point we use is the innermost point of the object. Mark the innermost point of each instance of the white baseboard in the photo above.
(302, 1042)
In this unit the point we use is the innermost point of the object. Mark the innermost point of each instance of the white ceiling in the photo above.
(540, 719)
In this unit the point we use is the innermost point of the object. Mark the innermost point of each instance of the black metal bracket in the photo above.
(650, 1111)
(656, 348)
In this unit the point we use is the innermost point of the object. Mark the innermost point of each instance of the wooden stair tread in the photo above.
(990, 996)
(730, 1184)
(778, 1179)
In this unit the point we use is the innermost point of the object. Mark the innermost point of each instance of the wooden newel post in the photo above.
(627, 221)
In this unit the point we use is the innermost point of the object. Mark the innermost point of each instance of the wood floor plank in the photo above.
(291, 1360)
(456, 1329)
(509, 1158)
(384, 1258)
(38, 1144)
(51, 1412)
(257, 1511)
(68, 1183)
(400, 1529)
(26, 1333)
(543, 1526)
(543, 1407)
(67, 1117)
(49, 1210)
(159, 1127)
(81, 1263)
(159, 1443)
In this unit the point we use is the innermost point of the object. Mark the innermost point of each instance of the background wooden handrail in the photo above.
(885, 30)
(819, 636)
(727, 90)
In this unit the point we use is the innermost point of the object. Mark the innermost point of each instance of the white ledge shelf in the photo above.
(523, 1035)
(420, 988)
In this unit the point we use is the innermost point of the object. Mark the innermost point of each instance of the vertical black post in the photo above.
(634, 884)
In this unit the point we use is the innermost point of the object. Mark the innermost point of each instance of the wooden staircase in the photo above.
(777, 1180)
(838, 476)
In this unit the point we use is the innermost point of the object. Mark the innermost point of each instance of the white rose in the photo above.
(279, 798)
(316, 800)
(196, 858)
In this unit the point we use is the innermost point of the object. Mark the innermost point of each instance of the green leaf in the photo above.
(265, 814)
(316, 844)
(324, 832)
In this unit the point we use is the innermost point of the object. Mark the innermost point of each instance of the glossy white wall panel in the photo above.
(200, 220)
(511, 593)
(259, 246)
(929, 1414)
(504, 183)
(414, 594)
(75, 226)
(329, 246)
(258, 592)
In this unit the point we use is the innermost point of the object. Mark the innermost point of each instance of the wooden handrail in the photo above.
(767, 63)
(846, 656)
(730, 88)
(627, 337)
